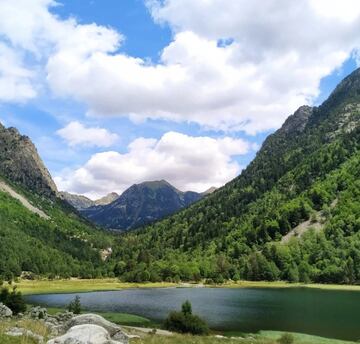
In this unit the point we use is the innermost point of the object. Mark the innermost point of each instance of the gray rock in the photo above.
(38, 313)
(19, 332)
(5, 312)
(85, 334)
(114, 330)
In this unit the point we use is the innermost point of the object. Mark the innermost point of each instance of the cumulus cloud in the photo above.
(16, 81)
(187, 162)
(276, 54)
(27, 43)
(232, 65)
(76, 133)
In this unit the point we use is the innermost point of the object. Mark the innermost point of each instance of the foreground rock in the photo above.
(85, 334)
(5, 312)
(84, 329)
(114, 330)
(38, 313)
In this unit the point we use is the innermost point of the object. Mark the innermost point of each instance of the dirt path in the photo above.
(6, 188)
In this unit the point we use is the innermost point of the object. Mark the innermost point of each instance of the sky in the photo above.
(117, 92)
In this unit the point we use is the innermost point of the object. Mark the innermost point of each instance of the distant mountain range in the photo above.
(82, 202)
(139, 205)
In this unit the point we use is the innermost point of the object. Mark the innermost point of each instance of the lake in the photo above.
(327, 313)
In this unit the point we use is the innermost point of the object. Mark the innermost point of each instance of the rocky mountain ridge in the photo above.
(141, 204)
(81, 202)
(21, 163)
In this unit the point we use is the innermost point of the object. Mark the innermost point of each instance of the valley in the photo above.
(287, 225)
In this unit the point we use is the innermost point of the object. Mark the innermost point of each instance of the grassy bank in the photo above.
(81, 285)
(86, 285)
(265, 337)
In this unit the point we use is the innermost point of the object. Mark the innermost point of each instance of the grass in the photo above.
(106, 284)
(264, 337)
(81, 285)
(303, 338)
(36, 327)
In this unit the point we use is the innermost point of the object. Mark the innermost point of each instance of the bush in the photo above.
(75, 305)
(286, 338)
(186, 322)
(13, 300)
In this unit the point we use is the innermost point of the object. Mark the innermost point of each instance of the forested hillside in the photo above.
(293, 213)
(46, 237)
(63, 245)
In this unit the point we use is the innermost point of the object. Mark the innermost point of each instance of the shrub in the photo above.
(286, 338)
(75, 305)
(13, 300)
(186, 322)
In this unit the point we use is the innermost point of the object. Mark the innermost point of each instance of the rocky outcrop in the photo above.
(93, 319)
(86, 329)
(296, 123)
(5, 312)
(20, 163)
(85, 334)
(38, 313)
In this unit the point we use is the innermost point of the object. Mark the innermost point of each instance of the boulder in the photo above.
(114, 330)
(19, 332)
(5, 312)
(85, 334)
(38, 313)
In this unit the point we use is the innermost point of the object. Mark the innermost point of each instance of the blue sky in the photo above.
(146, 32)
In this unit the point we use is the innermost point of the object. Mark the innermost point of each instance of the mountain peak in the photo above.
(21, 163)
(109, 198)
(297, 122)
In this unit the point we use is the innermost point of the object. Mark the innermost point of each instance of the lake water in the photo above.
(327, 313)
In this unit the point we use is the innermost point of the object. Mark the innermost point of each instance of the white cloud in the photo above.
(15, 79)
(76, 133)
(278, 52)
(189, 163)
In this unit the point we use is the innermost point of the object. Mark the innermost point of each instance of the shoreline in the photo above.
(35, 287)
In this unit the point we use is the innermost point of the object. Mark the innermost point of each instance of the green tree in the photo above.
(186, 308)
(75, 305)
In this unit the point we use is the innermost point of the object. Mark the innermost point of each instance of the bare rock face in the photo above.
(297, 122)
(21, 164)
(5, 312)
(85, 334)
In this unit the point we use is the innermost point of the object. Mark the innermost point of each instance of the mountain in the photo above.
(292, 214)
(111, 197)
(20, 163)
(140, 204)
(80, 202)
(39, 232)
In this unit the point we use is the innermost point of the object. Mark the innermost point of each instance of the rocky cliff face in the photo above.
(111, 197)
(20, 163)
(81, 202)
(77, 201)
(141, 204)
